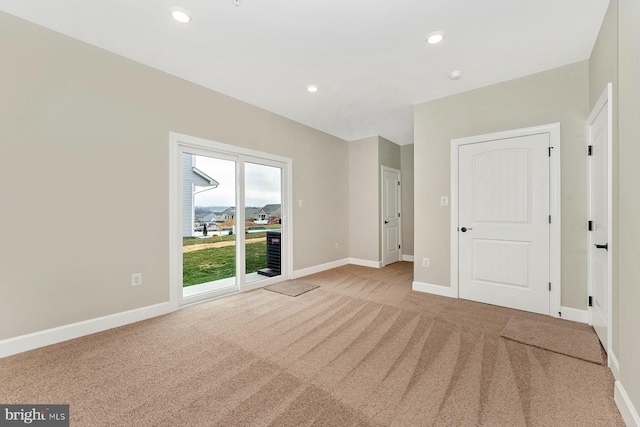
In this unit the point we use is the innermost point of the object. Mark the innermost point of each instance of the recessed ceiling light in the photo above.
(312, 88)
(455, 75)
(435, 38)
(180, 15)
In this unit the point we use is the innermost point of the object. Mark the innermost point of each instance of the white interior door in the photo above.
(390, 215)
(598, 161)
(503, 222)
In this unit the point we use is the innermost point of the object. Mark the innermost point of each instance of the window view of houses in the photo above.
(209, 225)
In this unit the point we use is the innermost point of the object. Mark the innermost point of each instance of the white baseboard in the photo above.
(626, 408)
(11, 346)
(574, 314)
(319, 268)
(444, 291)
(366, 263)
(407, 258)
(614, 365)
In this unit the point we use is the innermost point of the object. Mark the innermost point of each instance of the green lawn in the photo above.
(211, 264)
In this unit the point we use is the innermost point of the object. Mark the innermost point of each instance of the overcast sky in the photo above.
(262, 183)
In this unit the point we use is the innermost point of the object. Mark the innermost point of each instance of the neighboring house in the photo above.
(229, 213)
(269, 212)
(218, 217)
(251, 214)
(209, 217)
(193, 180)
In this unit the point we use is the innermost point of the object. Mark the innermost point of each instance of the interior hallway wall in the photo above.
(558, 95)
(406, 152)
(629, 199)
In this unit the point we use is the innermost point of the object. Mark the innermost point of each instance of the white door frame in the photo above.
(605, 99)
(176, 141)
(384, 169)
(553, 130)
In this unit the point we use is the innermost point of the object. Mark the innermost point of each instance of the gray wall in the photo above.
(629, 198)
(88, 133)
(363, 199)
(366, 156)
(389, 154)
(558, 95)
(406, 151)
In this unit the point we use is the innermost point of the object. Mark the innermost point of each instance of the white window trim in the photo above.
(176, 142)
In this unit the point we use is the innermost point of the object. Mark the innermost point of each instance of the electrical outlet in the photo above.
(136, 279)
(444, 201)
(425, 262)
(337, 246)
(300, 203)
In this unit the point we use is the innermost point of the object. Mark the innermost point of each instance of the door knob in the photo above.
(386, 222)
(605, 247)
(464, 229)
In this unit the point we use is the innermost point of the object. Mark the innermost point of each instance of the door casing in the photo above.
(605, 101)
(383, 239)
(553, 130)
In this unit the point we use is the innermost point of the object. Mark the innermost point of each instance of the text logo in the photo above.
(34, 415)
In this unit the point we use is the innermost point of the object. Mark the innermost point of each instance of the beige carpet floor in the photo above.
(361, 350)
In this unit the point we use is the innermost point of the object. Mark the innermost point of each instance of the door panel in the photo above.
(503, 222)
(391, 223)
(263, 214)
(209, 252)
(501, 262)
(598, 214)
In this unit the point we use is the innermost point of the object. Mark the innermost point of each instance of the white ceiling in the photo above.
(368, 57)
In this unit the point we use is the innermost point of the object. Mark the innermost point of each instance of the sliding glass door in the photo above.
(263, 221)
(231, 214)
(208, 210)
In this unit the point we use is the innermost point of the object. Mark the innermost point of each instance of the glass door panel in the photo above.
(263, 221)
(208, 226)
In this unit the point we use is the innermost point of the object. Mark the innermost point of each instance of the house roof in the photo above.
(209, 182)
(368, 58)
(209, 217)
(270, 208)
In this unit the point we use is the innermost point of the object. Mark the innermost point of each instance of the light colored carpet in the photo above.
(293, 288)
(579, 344)
(362, 350)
